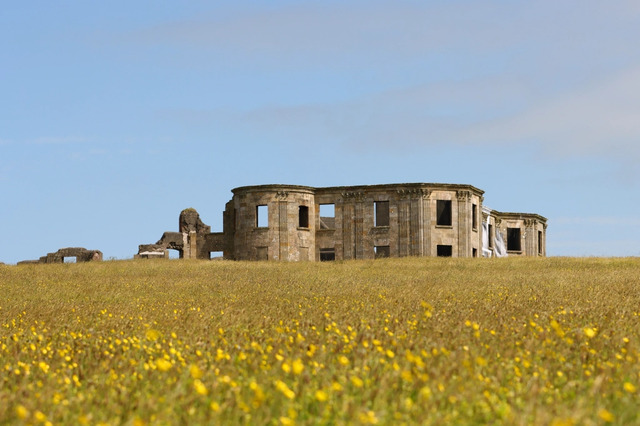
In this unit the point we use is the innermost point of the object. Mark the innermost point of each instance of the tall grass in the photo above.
(412, 340)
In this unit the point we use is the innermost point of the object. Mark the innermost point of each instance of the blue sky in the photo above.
(115, 116)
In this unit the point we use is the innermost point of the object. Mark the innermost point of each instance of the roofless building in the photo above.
(302, 223)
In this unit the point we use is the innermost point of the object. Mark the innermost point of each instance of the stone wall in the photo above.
(80, 254)
(368, 222)
(267, 223)
(286, 222)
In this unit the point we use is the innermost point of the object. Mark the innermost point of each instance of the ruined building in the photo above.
(77, 254)
(301, 223)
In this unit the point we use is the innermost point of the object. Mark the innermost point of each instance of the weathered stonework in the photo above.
(80, 254)
(194, 241)
(284, 222)
(415, 219)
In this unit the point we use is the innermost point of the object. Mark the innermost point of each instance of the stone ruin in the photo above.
(302, 223)
(193, 241)
(81, 254)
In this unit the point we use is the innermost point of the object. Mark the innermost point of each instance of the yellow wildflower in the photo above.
(258, 394)
(282, 387)
(22, 412)
(321, 395)
(562, 422)
(425, 393)
(368, 417)
(195, 372)
(200, 387)
(298, 366)
(138, 422)
(407, 376)
(163, 365)
(606, 415)
(629, 387)
(152, 334)
(357, 381)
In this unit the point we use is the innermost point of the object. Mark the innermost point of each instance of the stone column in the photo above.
(404, 228)
(418, 197)
(426, 222)
(193, 245)
(464, 223)
(530, 238)
(348, 226)
(282, 230)
(352, 226)
(359, 240)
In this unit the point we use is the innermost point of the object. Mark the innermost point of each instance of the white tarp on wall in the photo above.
(500, 248)
(486, 250)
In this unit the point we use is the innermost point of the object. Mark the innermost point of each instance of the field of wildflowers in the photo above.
(392, 341)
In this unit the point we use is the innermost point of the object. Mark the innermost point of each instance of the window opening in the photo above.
(327, 216)
(444, 251)
(513, 239)
(327, 255)
(474, 252)
(382, 251)
(303, 216)
(381, 213)
(216, 255)
(175, 254)
(474, 218)
(539, 242)
(262, 216)
(262, 253)
(444, 213)
(70, 259)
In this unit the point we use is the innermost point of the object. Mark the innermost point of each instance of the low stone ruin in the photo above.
(81, 254)
(193, 241)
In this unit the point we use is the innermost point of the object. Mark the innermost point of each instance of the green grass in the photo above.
(413, 340)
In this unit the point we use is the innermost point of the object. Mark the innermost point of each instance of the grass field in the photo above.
(427, 341)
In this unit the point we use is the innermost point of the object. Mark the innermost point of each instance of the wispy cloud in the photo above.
(607, 221)
(55, 140)
(357, 33)
(599, 120)
(561, 78)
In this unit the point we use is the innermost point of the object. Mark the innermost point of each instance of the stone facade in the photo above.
(284, 222)
(194, 240)
(80, 254)
(301, 223)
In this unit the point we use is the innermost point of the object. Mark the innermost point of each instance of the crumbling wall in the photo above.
(193, 241)
(81, 254)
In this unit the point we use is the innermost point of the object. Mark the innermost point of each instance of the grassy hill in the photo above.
(412, 340)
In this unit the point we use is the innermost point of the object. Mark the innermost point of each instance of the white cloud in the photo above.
(607, 221)
(562, 78)
(600, 120)
(55, 140)
(336, 28)
(543, 34)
